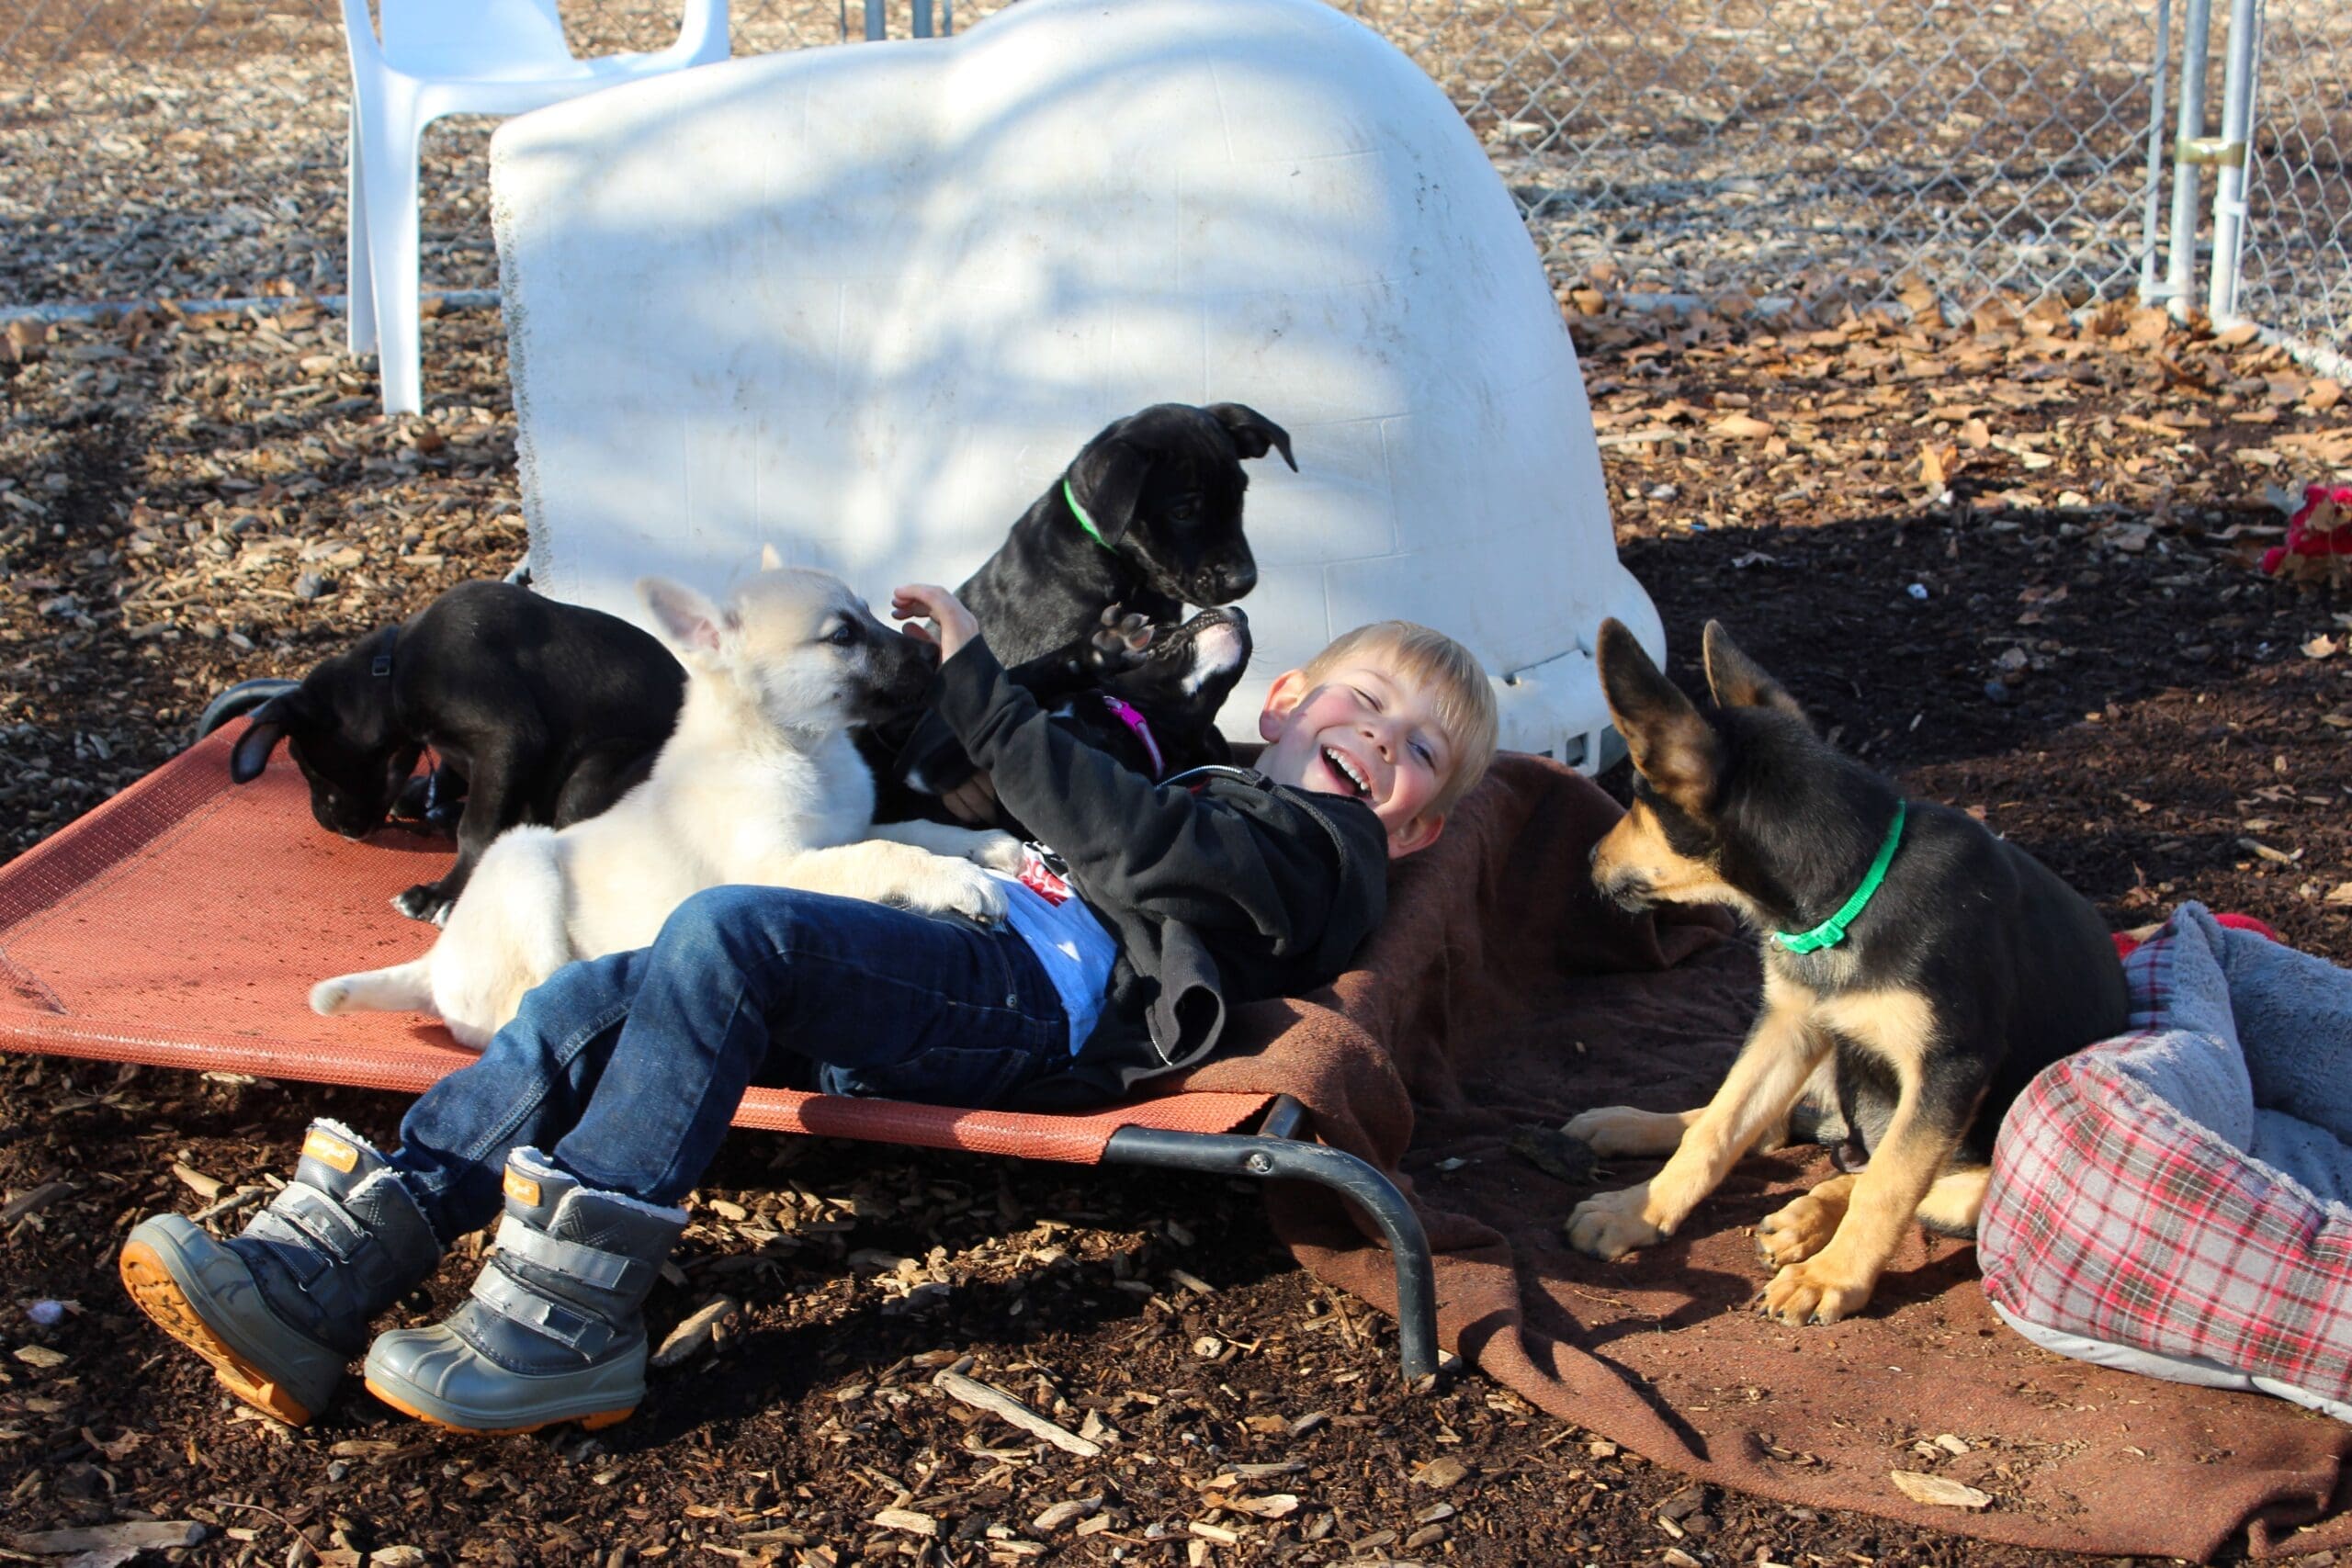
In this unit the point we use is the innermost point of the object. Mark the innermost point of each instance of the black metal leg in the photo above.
(1276, 1158)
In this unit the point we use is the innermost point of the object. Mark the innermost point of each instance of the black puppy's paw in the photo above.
(430, 803)
(1119, 643)
(425, 901)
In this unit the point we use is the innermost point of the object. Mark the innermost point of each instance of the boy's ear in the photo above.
(1737, 681)
(1671, 746)
(1289, 687)
(1415, 836)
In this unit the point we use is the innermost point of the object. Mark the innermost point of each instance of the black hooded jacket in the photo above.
(1220, 886)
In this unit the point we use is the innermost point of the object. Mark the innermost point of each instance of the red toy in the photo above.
(2318, 537)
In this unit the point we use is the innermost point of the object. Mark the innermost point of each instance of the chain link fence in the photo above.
(2295, 268)
(1931, 152)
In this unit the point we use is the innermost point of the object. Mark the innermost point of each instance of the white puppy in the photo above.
(760, 783)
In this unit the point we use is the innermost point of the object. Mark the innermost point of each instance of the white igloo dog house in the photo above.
(864, 303)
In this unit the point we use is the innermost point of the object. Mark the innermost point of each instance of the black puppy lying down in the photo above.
(539, 712)
(1146, 695)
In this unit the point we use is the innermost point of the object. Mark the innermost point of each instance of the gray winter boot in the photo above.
(280, 1310)
(555, 1330)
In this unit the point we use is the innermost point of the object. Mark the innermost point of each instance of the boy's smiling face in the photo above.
(1361, 731)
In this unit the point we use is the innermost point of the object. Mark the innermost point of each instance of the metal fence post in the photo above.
(2195, 50)
(2229, 186)
(2151, 224)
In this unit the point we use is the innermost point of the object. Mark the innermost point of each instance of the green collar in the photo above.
(1084, 521)
(1832, 932)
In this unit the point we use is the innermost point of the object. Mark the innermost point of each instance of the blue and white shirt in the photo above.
(1074, 947)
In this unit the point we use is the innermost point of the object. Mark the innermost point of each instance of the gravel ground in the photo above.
(2008, 560)
(1703, 146)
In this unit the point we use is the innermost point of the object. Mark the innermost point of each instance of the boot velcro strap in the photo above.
(588, 1265)
(517, 1301)
(317, 1216)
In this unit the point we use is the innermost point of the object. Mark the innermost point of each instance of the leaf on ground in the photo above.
(1936, 467)
(1939, 1492)
(695, 1332)
(1553, 1153)
(1440, 1474)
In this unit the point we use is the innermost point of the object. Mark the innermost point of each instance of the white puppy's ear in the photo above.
(769, 560)
(691, 621)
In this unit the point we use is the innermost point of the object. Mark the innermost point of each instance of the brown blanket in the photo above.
(1502, 992)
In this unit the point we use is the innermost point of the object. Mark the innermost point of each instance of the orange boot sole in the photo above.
(589, 1423)
(154, 1292)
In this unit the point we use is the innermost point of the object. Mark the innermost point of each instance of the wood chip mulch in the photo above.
(2008, 559)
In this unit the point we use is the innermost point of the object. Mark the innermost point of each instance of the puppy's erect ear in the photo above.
(1107, 480)
(691, 621)
(1252, 431)
(267, 728)
(1737, 681)
(1670, 744)
(769, 560)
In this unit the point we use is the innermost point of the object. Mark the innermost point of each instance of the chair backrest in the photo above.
(484, 35)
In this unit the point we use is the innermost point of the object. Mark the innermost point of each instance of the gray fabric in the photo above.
(2259, 1051)
(2194, 1369)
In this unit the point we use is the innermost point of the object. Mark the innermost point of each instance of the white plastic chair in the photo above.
(440, 57)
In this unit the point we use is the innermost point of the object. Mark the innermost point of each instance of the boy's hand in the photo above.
(973, 801)
(930, 601)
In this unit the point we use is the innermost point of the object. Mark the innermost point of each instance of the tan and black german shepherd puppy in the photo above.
(1917, 973)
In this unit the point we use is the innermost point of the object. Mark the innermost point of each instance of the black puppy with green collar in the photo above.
(1146, 516)
(1147, 519)
(1919, 972)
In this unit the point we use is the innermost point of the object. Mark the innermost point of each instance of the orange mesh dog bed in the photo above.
(181, 924)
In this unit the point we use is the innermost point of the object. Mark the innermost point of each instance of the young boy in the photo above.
(597, 1111)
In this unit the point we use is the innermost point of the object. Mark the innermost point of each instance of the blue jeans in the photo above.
(626, 1070)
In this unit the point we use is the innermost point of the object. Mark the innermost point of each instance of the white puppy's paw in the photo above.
(995, 850)
(958, 888)
(328, 997)
(1611, 1224)
(1617, 1130)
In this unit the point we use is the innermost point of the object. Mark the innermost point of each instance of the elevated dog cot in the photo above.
(163, 929)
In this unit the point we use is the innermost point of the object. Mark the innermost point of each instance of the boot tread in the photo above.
(157, 1295)
(592, 1421)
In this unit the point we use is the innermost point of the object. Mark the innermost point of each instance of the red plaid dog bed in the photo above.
(2179, 1199)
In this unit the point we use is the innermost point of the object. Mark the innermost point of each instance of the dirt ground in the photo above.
(2008, 560)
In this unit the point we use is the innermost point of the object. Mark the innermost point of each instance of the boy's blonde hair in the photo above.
(1433, 662)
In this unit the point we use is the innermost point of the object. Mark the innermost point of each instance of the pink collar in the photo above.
(1141, 726)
